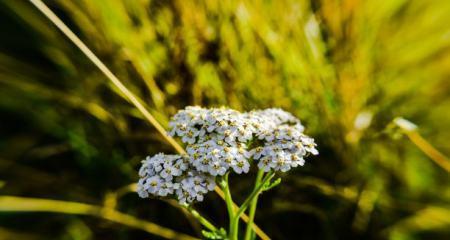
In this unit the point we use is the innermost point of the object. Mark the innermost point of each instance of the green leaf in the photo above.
(271, 185)
(219, 234)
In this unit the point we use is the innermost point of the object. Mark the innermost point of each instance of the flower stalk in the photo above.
(224, 185)
(252, 210)
(254, 193)
(250, 201)
(203, 221)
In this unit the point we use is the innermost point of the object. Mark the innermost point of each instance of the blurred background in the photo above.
(346, 68)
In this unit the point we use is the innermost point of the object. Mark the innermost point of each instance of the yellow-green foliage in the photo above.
(346, 68)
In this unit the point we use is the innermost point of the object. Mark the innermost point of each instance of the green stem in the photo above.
(207, 224)
(232, 231)
(252, 210)
(255, 193)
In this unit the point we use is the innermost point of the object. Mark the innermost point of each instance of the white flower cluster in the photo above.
(163, 175)
(221, 139)
(284, 148)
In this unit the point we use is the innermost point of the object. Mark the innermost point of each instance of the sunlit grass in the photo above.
(329, 62)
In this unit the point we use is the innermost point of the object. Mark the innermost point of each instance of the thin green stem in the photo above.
(253, 204)
(224, 184)
(207, 224)
(255, 193)
(234, 229)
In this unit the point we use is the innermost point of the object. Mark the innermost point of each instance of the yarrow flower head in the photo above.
(221, 140)
(163, 175)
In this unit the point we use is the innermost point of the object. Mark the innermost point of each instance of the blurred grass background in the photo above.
(346, 68)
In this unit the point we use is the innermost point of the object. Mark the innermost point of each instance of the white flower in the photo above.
(256, 153)
(184, 197)
(281, 162)
(167, 173)
(141, 188)
(193, 187)
(297, 161)
(309, 144)
(158, 173)
(265, 163)
(240, 165)
(179, 167)
(220, 140)
(152, 184)
(216, 168)
(147, 168)
(165, 189)
(190, 136)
